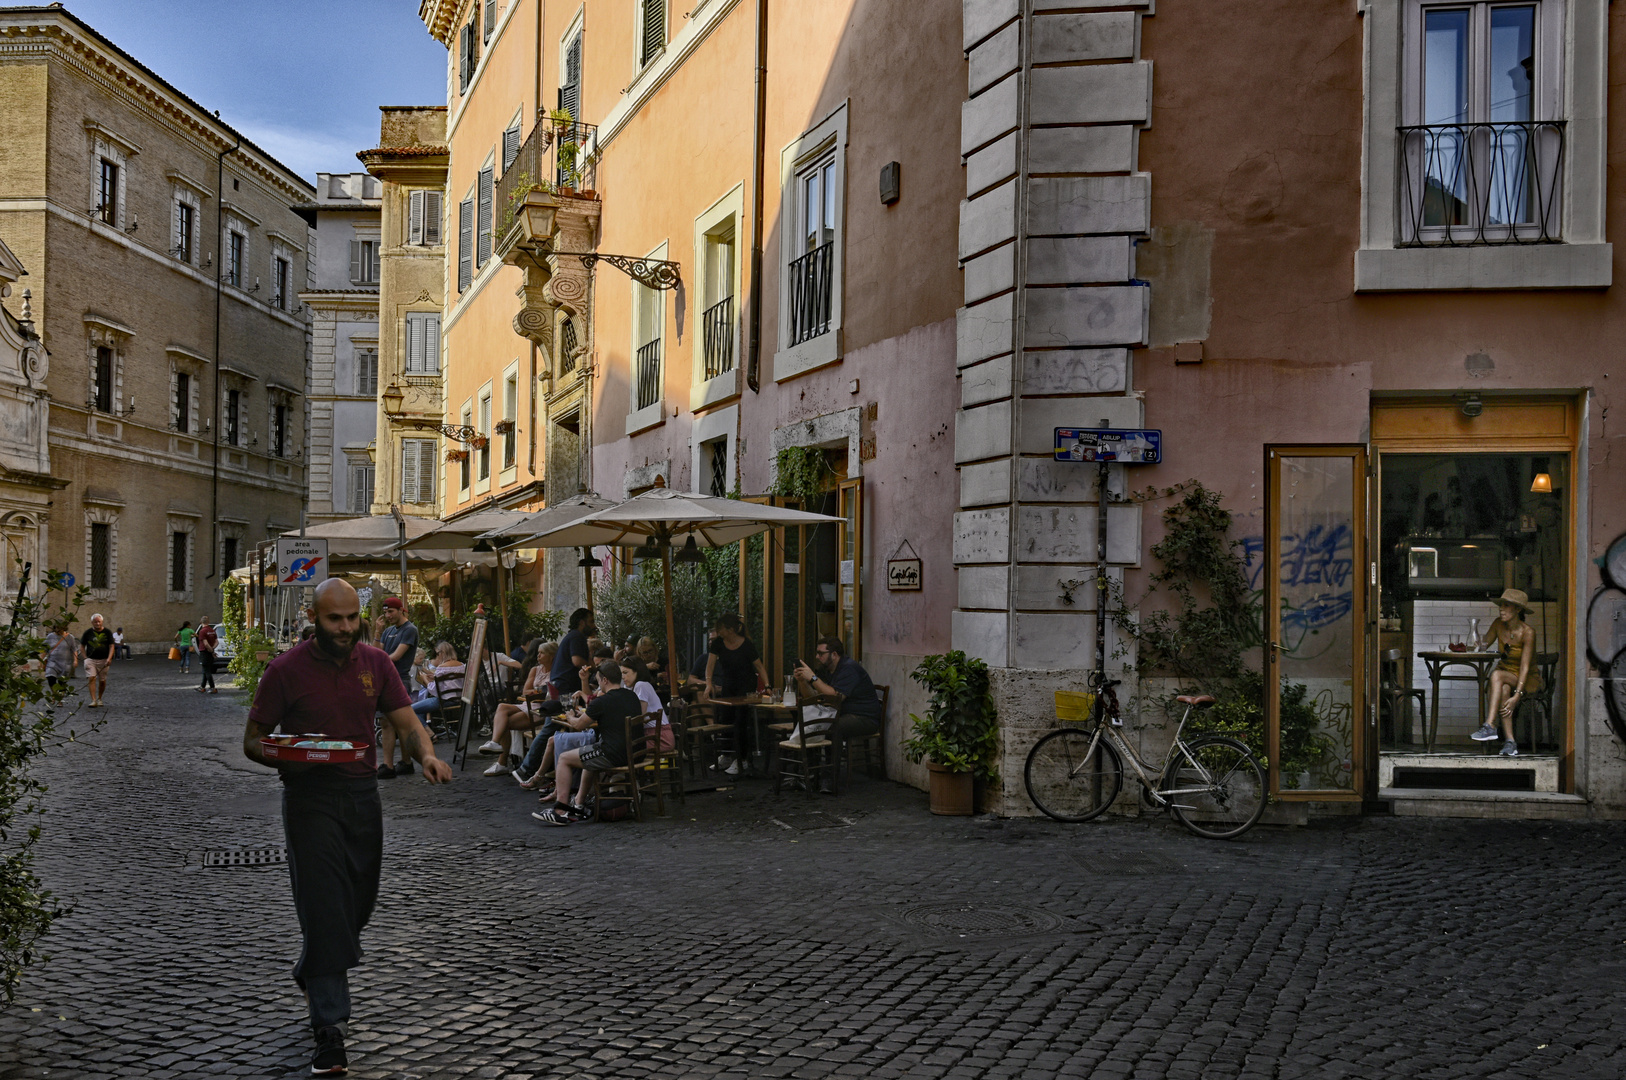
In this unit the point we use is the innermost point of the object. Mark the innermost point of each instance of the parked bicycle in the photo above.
(1212, 784)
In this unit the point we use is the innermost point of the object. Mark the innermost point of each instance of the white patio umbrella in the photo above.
(521, 533)
(667, 517)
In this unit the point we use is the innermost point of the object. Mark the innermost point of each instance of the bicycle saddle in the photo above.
(1201, 701)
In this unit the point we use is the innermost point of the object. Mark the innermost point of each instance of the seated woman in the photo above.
(636, 677)
(446, 663)
(524, 716)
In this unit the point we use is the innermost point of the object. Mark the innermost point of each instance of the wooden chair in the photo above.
(1397, 698)
(702, 735)
(808, 754)
(872, 748)
(668, 764)
(1535, 709)
(636, 777)
(442, 722)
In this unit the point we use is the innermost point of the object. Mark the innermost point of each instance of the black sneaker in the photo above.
(578, 813)
(405, 768)
(329, 1059)
(553, 815)
(386, 772)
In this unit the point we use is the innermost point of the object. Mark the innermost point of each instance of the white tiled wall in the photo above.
(1433, 623)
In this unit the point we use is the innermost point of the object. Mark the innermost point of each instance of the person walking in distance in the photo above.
(61, 654)
(399, 639)
(183, 641)
(98, 645)
(331, 814)
(206, 641)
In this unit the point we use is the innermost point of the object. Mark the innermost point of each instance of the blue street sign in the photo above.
(66, 579)
(1129, 446)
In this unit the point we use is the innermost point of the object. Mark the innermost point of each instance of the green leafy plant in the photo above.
(1239, 711)
(959, 730)
(523, 624)
(30, 709)
(799, 472)
(246, 665)
(636, 605)
(233, 612)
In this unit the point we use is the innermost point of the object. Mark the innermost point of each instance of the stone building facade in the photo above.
(344, 267)
(26, 483)
(133, 208)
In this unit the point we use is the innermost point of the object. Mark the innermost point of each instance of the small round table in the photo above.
(1437, 661)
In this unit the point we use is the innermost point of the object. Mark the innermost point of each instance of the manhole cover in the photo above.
(814, 819)
(271, 856)
(1127, 863)
(975, 920)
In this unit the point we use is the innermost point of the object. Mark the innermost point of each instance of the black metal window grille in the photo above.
(177, 562)
(104, 378)
(185, 217)
(717, 337)
(463, 472)
(183, 402)
(719, 468)
(234, 402)
(107, 192)
(568, 343)
(485, 432)
(234, 261)
(279, 431)
(649, 374)
(1481, 184)
(810, 293)
(654, 30)
(510, 435)
(101, 556)
(280, 298)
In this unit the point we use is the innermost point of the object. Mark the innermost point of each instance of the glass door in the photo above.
(1314, 615)
(848, 595)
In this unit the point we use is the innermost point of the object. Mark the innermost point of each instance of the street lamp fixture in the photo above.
(393, 399)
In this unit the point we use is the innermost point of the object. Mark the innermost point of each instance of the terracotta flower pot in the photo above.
(951, 791)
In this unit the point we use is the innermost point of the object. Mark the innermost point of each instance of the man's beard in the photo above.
(337, 645)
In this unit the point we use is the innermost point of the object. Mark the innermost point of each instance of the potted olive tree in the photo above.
(957, 734)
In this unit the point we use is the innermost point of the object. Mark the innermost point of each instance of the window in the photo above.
(717, 451)
(510, 146)
(367, 372)
(423, 218)
(465, 244)
(181, 404)
(510, 415)
(279, 295)
(570, 87)
(234, 259)
(810, 272)
(717, 322)
(361, 488)
(234, 408)
(107, 192)
(468, 51)
(463, 462)
(484, 252)
(418, 470)
(485, 432)
(812, 173)
(364, 262)
(569, 342)
(422, 342)
(179, 579)
(104, 379)
(228, 553)
(647, 316)
(491, 19)
(186, 218)
(101, 555)
(279, 430)
(652, 38)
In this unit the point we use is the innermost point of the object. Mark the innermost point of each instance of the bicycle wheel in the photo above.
(1069, 782)
(1216, 787)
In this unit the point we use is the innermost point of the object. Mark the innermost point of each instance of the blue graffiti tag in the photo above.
(1318, 556)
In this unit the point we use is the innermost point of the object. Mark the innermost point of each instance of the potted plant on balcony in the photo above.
(957, 736)
(457, 455)
(503, 427)
(479, 442)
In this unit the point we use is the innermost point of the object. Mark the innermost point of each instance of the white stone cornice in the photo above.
(180, 179)
(101, 131)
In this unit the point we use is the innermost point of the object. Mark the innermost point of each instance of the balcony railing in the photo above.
(557, 156)
(649, 374)
(717, 337)
(1465, 185)
(810, 281)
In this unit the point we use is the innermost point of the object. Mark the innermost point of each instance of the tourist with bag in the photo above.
(206, 641)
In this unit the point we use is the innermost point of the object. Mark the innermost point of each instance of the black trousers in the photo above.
(335, 833)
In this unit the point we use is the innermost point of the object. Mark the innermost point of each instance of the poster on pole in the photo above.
(1129, 446)
(301, 561)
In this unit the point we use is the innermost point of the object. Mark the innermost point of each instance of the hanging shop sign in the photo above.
(1129, 446)
(903, 575)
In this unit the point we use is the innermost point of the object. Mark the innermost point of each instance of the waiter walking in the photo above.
(331, 813)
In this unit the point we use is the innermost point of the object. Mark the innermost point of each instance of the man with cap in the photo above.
(331, 813)
(400, 640)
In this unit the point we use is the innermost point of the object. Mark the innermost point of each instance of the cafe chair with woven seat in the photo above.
(636, 779)
(703, 736)
(806, 755)
(666, 764)
(871, 749)
(1535, 709)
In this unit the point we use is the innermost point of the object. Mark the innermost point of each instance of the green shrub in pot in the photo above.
(958, 730)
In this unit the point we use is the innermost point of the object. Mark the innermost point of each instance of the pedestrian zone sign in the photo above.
(1132, 446)
(301, 561)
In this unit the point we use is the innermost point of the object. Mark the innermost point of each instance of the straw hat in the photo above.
(1516, 597)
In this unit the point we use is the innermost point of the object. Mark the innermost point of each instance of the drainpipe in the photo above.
(220, 269)
(753, 371)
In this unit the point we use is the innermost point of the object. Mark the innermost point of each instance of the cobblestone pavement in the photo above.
(754, 936)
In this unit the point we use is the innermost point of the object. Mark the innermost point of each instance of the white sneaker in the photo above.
(724, 761)
(492, 747)
(497, 769)
(1486, 733)
(733, 769)
(1510, 749)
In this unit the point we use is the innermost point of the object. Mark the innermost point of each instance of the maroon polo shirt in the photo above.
(303, 691)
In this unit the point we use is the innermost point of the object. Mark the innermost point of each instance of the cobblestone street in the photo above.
(750, 936)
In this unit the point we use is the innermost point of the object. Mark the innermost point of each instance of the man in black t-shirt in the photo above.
(573, 653)
(608, 712)
(841, 681)
(98, 643)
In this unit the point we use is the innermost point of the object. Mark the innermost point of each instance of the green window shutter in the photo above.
(415, 217)
(465, 244)
(431, 218)
(485, 191)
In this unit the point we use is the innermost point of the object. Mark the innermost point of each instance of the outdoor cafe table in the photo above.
(763, 711)
(1438, 660)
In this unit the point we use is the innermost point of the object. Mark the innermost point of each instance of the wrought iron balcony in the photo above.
(717, 337)
(1464, 185)
(648, 366)
(559, 156)
(810, 293)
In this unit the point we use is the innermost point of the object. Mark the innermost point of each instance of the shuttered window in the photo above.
(423, 218)
(510, 147)
(363, 262)
(485, 217)
(418, 470)
(361, 488)
(491, 18)
(468, 51)
(654, 39)
(485, 430)
(570, 89)
(422, 343)
(465, 244)
(367, 372)
(510, 413)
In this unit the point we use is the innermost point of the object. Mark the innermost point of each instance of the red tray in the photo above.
(283, 752)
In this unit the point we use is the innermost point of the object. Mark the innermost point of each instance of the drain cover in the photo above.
(974, 920)
(271, 856)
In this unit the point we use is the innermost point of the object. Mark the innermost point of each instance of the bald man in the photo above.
(331, 813)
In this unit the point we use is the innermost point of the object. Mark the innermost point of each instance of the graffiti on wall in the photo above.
(1317, 581)
(1606, 634)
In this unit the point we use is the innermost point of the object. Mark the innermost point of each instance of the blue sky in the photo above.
(302, 78)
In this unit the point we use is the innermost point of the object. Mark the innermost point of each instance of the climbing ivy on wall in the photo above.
(798, 473)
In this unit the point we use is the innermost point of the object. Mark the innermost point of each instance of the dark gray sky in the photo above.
(302, 78)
